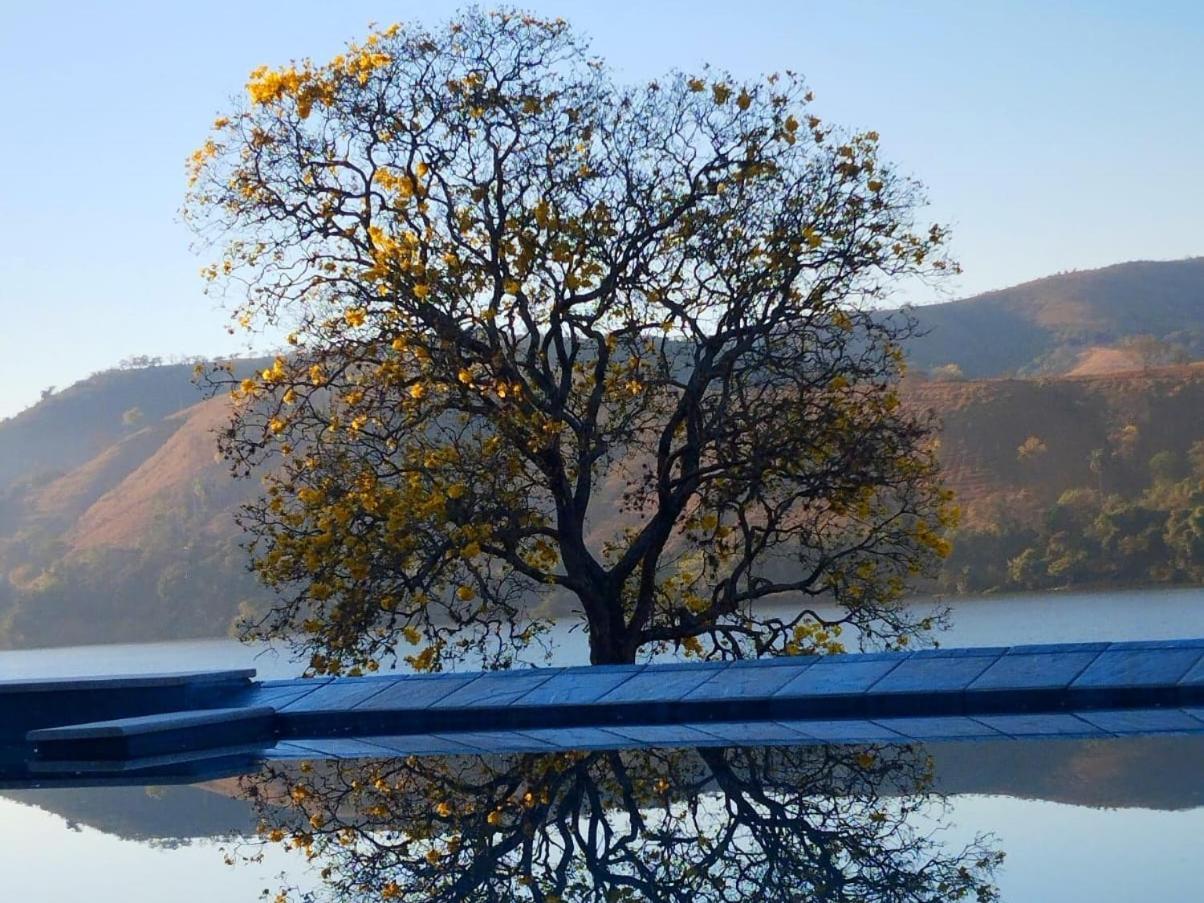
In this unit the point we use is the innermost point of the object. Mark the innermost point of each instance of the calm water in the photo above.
(1151, 614)
(1077, 820)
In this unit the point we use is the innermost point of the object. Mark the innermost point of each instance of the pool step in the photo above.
(27, 705)
(160, 734)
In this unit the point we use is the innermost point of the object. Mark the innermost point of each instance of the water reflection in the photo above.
(707, 824)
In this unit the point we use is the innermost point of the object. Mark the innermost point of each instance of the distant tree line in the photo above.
(1092, 534)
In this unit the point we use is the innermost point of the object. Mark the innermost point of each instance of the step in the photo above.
(110, 682)
(48, 702)
(155, 735)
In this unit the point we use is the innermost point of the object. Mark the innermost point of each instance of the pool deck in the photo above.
(116, 725)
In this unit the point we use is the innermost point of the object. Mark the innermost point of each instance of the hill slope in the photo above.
(1049, 325)
(135, 539)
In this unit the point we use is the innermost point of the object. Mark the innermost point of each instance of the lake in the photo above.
(1078, 820)
(1144, 614)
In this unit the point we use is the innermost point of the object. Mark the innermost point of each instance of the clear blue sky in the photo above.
(1052, 135)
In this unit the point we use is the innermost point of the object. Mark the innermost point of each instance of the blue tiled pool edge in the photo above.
(1090, 689)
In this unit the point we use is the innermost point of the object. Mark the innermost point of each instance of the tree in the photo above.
(1150, 350)
(836, 823)
(1166, 467)
(552, 335)
(1031, 449)
(1195, 457)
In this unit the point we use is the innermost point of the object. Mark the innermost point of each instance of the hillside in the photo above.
(1060, 323)
(117, 518)
(1130, 416)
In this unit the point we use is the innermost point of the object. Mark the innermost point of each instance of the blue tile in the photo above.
(1191, 643)
(1054, 724)
(415, 692)
(953, 727)
(575, 686)
(1138, 667)
(341, 748)
(777, 661)
(661, 684)
(845, 657)
(1034, 671)
(829, 678)
(1143, 721)
(498, 689)
(966, 652)
(1057, 647)
(497, 741)
(278, 697)
(663, 735)
(1196, 712)
(289, 750)
(1194, 677)
(578, 737)
(846, 731)
(743, 682)
(419, 745)
(310, 683)
(685, 665)
(752, 733)
(933, 674)
(338, 696)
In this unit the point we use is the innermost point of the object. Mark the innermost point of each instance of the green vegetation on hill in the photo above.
(1074, 481)
(1093, 536)
(1046, 325)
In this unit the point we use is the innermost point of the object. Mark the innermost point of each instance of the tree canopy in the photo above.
(554, 336)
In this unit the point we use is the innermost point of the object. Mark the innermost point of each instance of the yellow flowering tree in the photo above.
(555, 336)
(833, 823)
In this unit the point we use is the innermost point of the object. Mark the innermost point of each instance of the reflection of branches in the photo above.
(675, 825)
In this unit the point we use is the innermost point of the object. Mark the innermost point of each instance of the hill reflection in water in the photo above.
(727, 823)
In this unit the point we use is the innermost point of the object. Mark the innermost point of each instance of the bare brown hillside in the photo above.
(185, 463)
(1099, 360)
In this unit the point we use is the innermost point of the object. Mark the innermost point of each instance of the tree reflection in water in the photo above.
(706, 824)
